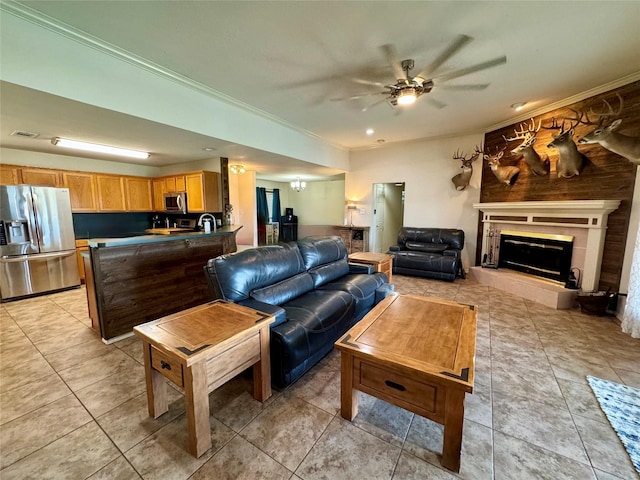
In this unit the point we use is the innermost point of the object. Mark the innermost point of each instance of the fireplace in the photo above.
(539, 254)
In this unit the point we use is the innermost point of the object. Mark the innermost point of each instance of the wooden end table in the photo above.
(383, 262)
(417, 353)
(200, 349)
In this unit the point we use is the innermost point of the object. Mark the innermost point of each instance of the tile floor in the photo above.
(72, 407)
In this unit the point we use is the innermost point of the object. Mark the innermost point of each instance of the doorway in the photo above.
(388, 215)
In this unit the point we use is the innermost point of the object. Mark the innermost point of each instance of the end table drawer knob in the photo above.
(395, 385)
(165, 365)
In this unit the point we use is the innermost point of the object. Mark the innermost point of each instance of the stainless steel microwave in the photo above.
(175, 202)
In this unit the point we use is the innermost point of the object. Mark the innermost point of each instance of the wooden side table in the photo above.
(200, 349)
(382, 261)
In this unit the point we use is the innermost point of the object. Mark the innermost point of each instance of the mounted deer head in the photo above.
(461, 180)
(605, 135)
(505, 174)
(527, 134)
(571, 161)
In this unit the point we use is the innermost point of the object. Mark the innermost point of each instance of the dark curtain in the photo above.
(275, 211)
(263, 215)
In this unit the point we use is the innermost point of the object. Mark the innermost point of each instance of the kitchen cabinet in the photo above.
(138, 194)
(41, 176)
(81, 246)
(82, 190)
(202, 192)
(175, 183)
(159, 188)
(9, 175)
(111, 193)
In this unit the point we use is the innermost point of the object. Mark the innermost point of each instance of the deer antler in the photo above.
(605, 115)
(460, 156)
(526, 132)
(554, 125)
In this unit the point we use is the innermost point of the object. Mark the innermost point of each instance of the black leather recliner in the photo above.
(308, 286)
(429, 252)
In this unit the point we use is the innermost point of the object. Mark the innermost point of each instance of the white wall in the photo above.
(426, 168)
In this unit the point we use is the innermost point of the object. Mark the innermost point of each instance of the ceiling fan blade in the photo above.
(373, 104)
(392, 57)
(362, 81)
(435, 103)
(457, 44)
(475, 86)
(468, 70)
(356, 97)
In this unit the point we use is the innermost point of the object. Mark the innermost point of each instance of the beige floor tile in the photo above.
(129, 423)
(547, 426)
(75, 335)
(346, 452)
(319, 387)
(34, 430)
(239, 460)
(164, 454)
(628, 377)
(478, 405)
(287, 429)
(76, 455)
(77, 354)
(424, 440)
(476, 456)
(410, 467)
(516, 459)
(18, 374)
(385, 421)
(605, 450)
(22, 400)
(94, 369)
(576, 369)
(106, 394)
(581, 400)
(118, 469)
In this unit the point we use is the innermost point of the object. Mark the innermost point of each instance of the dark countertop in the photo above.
(119, 242)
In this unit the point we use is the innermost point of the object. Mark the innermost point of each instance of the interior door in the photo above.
(378, 216)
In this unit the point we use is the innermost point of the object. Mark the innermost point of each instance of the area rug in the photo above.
(621, 405)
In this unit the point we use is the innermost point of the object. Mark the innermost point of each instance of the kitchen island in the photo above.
(134, 280)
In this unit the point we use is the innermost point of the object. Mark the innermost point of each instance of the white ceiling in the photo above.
(290, 59)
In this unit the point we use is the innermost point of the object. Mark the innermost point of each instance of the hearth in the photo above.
(543, 255)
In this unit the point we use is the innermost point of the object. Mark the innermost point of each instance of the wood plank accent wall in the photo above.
(607, 175)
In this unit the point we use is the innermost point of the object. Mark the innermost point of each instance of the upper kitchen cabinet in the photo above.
(159, 189)
(82, 190)
(9, 175)
(111, 193)
(175, 183)
(138, 194)
(202, 192)
(41, 176)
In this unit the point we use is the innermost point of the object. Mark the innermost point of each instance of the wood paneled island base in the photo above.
(199, 350)
(417, 353)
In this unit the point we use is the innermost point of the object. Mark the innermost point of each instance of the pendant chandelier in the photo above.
(297, 185)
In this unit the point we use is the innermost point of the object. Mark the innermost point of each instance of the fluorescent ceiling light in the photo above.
(94, 147)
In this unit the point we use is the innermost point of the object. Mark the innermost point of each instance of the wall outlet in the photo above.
(362, 211)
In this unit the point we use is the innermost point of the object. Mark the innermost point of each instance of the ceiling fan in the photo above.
(409, 87)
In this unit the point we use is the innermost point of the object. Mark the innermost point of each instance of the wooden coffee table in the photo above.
(417, 353)
(200, 349)
(383, 262)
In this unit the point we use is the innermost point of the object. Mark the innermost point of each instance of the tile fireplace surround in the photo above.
(585, 220)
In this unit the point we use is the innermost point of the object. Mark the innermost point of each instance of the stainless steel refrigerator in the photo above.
(37, 243)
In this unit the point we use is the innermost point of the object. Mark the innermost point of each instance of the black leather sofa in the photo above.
(429, 252)
(309, 286)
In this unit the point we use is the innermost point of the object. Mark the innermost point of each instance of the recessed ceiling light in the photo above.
(208, 149)
(380, 140)
(518, 106)
(370, 131)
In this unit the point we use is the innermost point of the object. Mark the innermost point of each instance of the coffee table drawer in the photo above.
(396, 387)
(167, 366)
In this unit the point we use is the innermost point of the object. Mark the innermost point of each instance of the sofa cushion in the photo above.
(328, 272)
(317, 251)
(451, 236)
(233, 276)
(284, 291)
(426, 247)
(426, 261)
(361, 287)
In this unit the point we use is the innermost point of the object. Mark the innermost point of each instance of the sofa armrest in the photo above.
(451, 253)
(361, 268)
(395, 248)
(275, 310)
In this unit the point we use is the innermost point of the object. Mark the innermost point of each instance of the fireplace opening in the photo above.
(539, 254)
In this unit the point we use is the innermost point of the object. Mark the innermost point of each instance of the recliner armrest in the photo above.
(451, 253)
(275, 310)
(395, 248)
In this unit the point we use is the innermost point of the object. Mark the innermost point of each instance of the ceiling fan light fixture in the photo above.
(97, 148)
(237, 169)
(407, 96)
(518, 106)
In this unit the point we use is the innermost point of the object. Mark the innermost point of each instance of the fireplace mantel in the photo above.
(584, 214)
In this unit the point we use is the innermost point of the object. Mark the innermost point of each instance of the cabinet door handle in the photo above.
(165, 365)
(395, 385)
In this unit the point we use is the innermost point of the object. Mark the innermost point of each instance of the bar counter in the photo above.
(138, 279)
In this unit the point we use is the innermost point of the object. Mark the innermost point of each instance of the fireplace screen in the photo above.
(543, 255)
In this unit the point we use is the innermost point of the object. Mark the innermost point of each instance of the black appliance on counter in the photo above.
(289, 226)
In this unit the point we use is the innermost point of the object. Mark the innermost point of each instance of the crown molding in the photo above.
(44, 21)
(633, 77)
